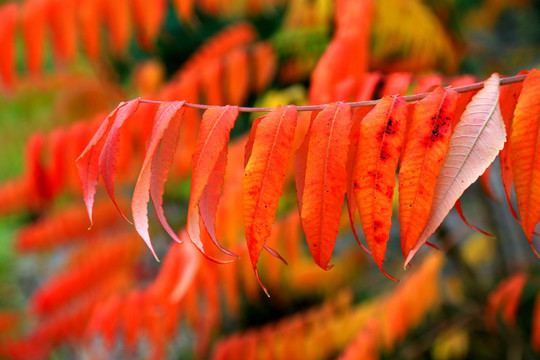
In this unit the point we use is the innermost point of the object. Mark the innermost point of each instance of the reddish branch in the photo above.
(354, 104)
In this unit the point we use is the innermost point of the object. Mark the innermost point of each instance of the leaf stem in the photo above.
(353, 104)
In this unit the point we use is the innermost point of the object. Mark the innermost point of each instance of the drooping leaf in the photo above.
(156, 164)
(367, 86)
(184, 9)
(357, 117)
(149, 17)
(325, 180)
(33, 29)
(525, 148)
(423, 155)
(62, 17)
(88, 162)
(396, 83)
(108, 159)
(8, 22)
(264, 176)
(213, 137)
(237, 78)
(379, 148)
(476, 141)
(508, 100)
(264, 63)
(88, 16)
(505, 298)
(118, 23)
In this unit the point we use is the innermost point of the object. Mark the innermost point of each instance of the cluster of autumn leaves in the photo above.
(441, 147)
(70, 24)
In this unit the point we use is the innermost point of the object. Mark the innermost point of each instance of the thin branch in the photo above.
(354, 104)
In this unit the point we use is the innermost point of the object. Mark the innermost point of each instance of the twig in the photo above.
(354, 104)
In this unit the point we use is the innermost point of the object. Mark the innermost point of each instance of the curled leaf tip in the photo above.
(389, 276)
(464, 219)
(534, 250)
(260, 282)
(275, 254)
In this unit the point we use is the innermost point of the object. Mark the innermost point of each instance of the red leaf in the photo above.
(108, 159)
(118, 22)
(88, 16)
(207, 171)
(264, 63)
(8, 21)
(396, 83)
(525, 147)
(237, 76)
(264, 176)
(33, 15)
(156, 165)
(62, 16)
(379, 148)
(88, 162)
(508, 100)
(506, 298)
(325, 180)
(358, 115)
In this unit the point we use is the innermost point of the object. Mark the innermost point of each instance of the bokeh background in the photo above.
(67, 292)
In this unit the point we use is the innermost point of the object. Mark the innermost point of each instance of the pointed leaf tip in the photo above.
(260, 282)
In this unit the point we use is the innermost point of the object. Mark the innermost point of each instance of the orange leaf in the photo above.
(506, 298)
(149, 17)
(237, 80)
(357, 116)
(264, 176)
(525, 147)
(379, 148)
(88, 16)
(211, 82)
(184, 9)
(118, 22)
(325, 179)
(157, 162)
(264, 63)
(424, 152)
(426, 83)
(207, 169)
(8, 22)
(63, 25)
(108, 159)
(508, 100)
(396, 83)
(33, 29)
